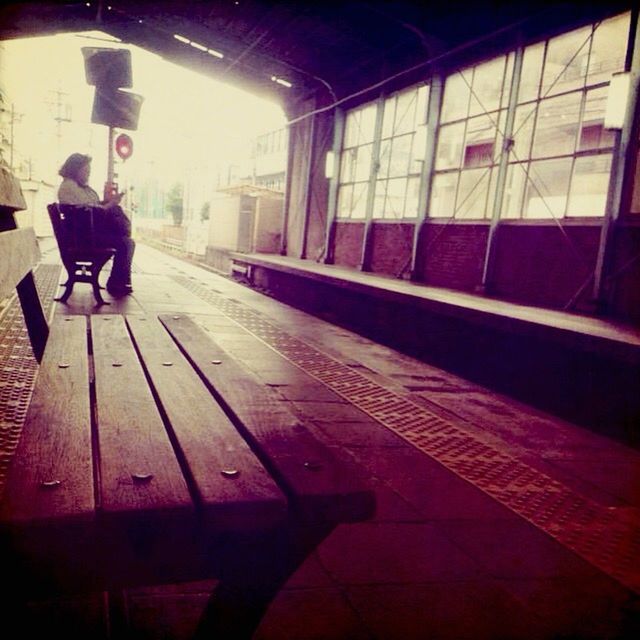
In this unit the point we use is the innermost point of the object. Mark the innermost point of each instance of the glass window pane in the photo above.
(506, 85)
(450, 146)
(557, 126)
(565, 67)
(385, 154)
(344, 201)
(492, 192)
(546, 192)
(388, 116)
(455, 103)
(378, 198)
(609, 48)
(530, 75)
(443, 194)
(363, 162)
(593, 135)
(487, 86)
(413, 198)
(472, 194)
(394, 204)
(522, 130)
(405, 112)
(418, 149)
(348, 164)
(360, 125)
(422, 105)
(400, 156)
(479, 149)
(359, 204)
(589, 186)
(514, 190)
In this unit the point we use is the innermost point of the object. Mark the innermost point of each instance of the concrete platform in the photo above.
(495, 519)
(584, 369)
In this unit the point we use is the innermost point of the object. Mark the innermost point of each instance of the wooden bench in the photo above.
(81, 253)
(150, 456)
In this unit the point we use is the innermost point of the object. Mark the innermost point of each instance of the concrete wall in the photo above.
(267, 229)
(231, 222)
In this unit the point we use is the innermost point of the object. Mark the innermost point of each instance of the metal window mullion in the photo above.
(433, 111)
(365, 252)
(338, 134)
(502, 169)
(620, 180)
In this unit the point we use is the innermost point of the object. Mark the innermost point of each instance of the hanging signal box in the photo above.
(107, 67)
(115, 108)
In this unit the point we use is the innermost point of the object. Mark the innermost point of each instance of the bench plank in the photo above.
(20, 253)
(316, 482)
(55, 446)
(207, 439)
(139, 476)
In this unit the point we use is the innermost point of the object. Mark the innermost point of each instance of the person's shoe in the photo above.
(119, 290)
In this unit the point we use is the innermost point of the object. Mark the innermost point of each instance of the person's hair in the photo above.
(73, 164)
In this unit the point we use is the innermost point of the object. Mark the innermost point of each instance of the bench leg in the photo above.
(34, 317)
(241, 598)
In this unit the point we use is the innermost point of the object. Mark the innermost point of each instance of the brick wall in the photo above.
(452, 255)
(544, 265)
(391, 248)
(348, 244)
(626, 274)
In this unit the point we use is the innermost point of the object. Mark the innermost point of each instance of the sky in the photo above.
(188, 122)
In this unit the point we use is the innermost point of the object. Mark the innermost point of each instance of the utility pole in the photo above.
(62, 112)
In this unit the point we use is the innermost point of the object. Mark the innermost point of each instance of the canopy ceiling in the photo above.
(323, 47)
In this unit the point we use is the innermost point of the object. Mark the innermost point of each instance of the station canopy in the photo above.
(293, 50)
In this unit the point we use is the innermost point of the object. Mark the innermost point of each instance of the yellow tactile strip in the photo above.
(18, 367)
(607, 537)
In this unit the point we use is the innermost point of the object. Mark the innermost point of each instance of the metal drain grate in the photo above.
(18, 367)
(608, 537)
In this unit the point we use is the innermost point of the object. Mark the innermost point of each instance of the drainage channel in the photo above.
(18, 367)
(607, 537)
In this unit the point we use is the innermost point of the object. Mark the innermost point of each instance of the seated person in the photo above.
(113, 225)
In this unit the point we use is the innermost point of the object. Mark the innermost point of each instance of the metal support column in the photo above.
(433, 111)
(332, 205)
(308, 180)
(365, 255)
(621, 180)
(507, 143)
(287, 189)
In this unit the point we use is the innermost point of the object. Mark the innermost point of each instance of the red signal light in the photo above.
(124, 146)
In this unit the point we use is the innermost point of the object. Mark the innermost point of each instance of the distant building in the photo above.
(270, 160)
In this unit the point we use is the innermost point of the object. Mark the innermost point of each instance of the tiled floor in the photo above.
(442, 558)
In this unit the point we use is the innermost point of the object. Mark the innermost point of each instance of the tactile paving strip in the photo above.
(607, 537)
(18, 367)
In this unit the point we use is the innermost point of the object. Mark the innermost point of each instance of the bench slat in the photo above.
(308, 472)
(208, 440)
(133, 443)
(20, 253)
(55, 445)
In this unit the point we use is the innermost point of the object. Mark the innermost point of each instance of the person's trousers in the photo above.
(121, 269)
(116, 233)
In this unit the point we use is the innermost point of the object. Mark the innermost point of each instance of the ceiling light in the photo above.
(181, 38)
(215, 54)
(197, 45)
(282, 81)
